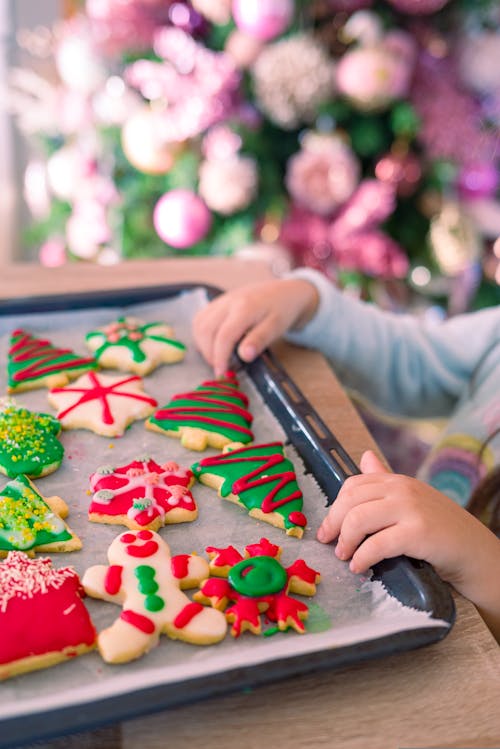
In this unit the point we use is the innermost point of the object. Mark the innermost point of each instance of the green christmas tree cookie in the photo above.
(28, 441)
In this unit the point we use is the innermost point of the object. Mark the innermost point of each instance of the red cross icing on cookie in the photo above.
(144, 578)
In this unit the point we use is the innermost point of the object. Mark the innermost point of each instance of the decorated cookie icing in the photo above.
(259, 478)
(257, 582)
(36, 362)
(134, 346)
(43, 619)
(28, 441)
(105, 404)
(146, 581)
(30, 522)
(214, 415)
(142, 494)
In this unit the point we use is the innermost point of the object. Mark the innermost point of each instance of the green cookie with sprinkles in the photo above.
(28, 441)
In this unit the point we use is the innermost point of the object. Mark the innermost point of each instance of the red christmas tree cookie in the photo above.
(105, 404)
(257, 582)
(43, 619)
(142, 494)
(259, 478)
(213, 415)
(36, 362)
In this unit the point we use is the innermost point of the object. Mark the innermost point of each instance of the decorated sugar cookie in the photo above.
(30, 522)
(28, 441)
(43, 619)
(258, 583)
(105, 404)
(259, 478)
(134, 346)
(142, 494)
(213, 415)
(36, 362)
(146, 580)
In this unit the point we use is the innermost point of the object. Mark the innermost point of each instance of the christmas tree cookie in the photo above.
(28, 441)
(105, 404)
(142, 494)
(213, 415)
(30, 522)
(130, 345)
(43, 619)
(36, 362)
(258, 583)
(259, 478)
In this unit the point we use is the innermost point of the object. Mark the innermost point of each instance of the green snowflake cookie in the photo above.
(28, 442)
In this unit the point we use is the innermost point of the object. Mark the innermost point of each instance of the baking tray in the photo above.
(411, 585)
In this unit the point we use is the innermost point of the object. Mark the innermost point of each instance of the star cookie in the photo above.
(105, 404)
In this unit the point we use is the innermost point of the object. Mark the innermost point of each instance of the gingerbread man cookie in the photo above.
(257, 582)
(36, 362)
(213, 415)
(105, 404)
(142, 494)
(43, 619)
(134, 346)
(146, 580)
(28, 441)
(30, 522)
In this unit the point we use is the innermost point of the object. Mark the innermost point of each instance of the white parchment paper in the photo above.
(347, 609)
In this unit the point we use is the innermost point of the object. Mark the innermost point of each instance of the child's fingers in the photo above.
(259, 337)
(363, 520)
(385, 544)
(226, 338)
(355, 491)
(205, 326)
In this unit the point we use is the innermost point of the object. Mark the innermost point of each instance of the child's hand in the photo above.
(256, 314)
(378, 515)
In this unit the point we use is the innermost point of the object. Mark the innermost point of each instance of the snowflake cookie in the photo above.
(43, 619)
(147, 581)
(142, 494)
(257, 583)
(30, 522)
(105, 404)
(134, 346)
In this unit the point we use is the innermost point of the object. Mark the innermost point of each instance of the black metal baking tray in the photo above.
(412, 582)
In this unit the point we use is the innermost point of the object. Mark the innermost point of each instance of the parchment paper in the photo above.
(347, 608)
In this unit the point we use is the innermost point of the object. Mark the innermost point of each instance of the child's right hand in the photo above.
(254, 315)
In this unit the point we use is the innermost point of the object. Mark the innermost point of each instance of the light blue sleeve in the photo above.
(402, 364)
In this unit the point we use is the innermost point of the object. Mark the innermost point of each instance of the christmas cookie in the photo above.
(213, 415)
(43, 620)
(30, 522)
(260, 479)
(28, 441)
(257, 582)
(35, 362)
(146, 580)
(133, 346)
(142, 494)
(105, 404)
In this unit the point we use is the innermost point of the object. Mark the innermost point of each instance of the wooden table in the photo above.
(444, 695)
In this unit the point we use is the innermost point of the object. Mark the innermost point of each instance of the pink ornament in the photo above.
(418, 7)
(181, 218)
(479, 180)
(263, 19)
(52, 253)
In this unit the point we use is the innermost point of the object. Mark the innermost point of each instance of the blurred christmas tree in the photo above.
(355, 136)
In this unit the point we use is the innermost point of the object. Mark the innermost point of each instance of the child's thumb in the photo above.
(371, 463)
